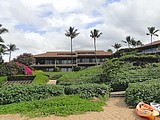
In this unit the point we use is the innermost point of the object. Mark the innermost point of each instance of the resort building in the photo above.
(148, 49)
(81, 58)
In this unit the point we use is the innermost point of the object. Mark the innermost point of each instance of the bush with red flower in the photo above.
(14, 68)
(26, 69)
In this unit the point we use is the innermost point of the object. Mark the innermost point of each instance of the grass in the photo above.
(55, 73)
(2, 80)
(60, 106)
(40, 78)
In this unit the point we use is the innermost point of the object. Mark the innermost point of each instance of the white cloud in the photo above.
(49, 19)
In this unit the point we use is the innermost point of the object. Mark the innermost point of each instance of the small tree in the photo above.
(26, 59)
(110, 50)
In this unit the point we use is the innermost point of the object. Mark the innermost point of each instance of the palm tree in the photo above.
(152, 32)
(117, 46)
(138, 43)
(128, 40)
(133, 42)
(11, 47)
(2, 46)
(3, 51)
(72, 33)
(2, 30)
(95, 34)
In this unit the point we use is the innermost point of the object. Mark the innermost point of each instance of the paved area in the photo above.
(52, 82)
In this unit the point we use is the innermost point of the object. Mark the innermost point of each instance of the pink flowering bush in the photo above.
(27, 70)
(14, 68)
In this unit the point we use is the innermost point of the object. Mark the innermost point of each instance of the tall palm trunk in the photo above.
(71, 55)
(128, 45)
(9, 56)
(95, 51)
(151, 44)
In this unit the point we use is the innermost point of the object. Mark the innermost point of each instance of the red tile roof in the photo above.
(153, 43)
(77, 52)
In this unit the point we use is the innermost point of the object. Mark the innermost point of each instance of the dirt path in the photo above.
(114, 110)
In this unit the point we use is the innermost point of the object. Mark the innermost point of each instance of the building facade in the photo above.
(150, 48)
(82, 58)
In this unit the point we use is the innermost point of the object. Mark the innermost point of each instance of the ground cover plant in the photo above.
(61, 106)
(88, 90)
(147, 91)
(88, 75)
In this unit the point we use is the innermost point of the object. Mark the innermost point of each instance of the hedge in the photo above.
(88, 90)
(140, 57)
(28, 92)
(20, 77)
(147, 91)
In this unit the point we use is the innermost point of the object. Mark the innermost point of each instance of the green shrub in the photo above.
(36, 72)
(147, 91)
(76, 68)
(11, 68)
(20, 77)
(88, 90)
(118, 74)
(56, 69)
(61, 106)
(28, 92)
(55, 77)
(89, 75)
(140, 57)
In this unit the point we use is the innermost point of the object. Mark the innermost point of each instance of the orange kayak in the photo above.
(145, 110)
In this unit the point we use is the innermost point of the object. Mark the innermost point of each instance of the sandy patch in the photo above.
(114, 110)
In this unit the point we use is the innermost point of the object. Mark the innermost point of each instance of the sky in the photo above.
(39, 26)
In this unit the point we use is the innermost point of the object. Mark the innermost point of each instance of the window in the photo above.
(49, 61)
